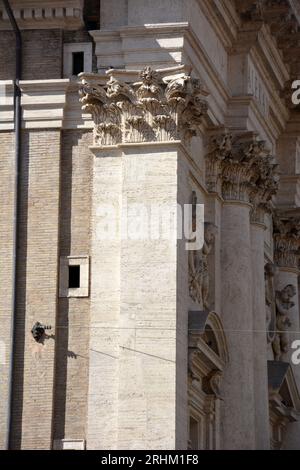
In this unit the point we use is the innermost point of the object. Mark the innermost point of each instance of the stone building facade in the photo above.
(151, 346)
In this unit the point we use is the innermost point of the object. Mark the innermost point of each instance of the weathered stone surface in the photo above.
(167, 349)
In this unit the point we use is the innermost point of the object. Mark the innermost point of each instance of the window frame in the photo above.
(83, 262)
(69, 49)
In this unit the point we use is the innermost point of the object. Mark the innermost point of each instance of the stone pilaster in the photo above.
(143, 124)
(262, 426)
(265, 187)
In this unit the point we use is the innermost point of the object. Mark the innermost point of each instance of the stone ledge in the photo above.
(45, 104)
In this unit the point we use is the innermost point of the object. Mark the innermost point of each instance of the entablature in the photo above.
(44, 14)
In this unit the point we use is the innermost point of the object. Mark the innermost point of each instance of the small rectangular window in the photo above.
(74, 277)
(77, 62)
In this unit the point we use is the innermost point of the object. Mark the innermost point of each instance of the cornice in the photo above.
(44, 14)
(174, 29)
(281, 18)
(6, 105)
(45, 104)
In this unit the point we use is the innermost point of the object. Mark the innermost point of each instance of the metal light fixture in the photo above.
(38, 330)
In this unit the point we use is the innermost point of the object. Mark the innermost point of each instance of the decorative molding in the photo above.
(162, 106)
(6, 105)
(240, 168)
(44, 14)
(282, 20)
(43, 102)
(207, 336)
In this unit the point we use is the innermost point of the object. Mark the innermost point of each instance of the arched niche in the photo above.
(208, 355)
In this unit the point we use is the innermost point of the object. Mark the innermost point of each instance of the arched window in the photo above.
(208, 355)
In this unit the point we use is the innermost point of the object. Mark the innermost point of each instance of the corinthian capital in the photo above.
(146, 106)
(287, 241)
(241, 169)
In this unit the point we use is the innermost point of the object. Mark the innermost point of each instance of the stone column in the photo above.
(287, 242)
(261, 406)
(234, 168)
(238, 389)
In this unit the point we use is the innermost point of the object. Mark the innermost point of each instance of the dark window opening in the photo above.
(91, 14)
(77, 63)
(74, 277)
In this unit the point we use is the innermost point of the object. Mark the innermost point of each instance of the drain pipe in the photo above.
(17, 128)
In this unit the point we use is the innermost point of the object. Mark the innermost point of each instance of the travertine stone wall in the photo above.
(237, 422)
(102, 425)
(136, 388)
(261, 411)
(115, 371)
(148, 323)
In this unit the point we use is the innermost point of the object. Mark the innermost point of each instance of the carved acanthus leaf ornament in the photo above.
(287, 241)
(159, 107)
(240, 168)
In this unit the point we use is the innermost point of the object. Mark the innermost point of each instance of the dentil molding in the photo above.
(44, 14)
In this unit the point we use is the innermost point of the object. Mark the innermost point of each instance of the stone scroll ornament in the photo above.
(283, 305)
(160, 107)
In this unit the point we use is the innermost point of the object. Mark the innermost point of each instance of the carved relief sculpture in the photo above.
(162, 106)
(215, 381)
(270, 271)
(198, 268)
(283, 305)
